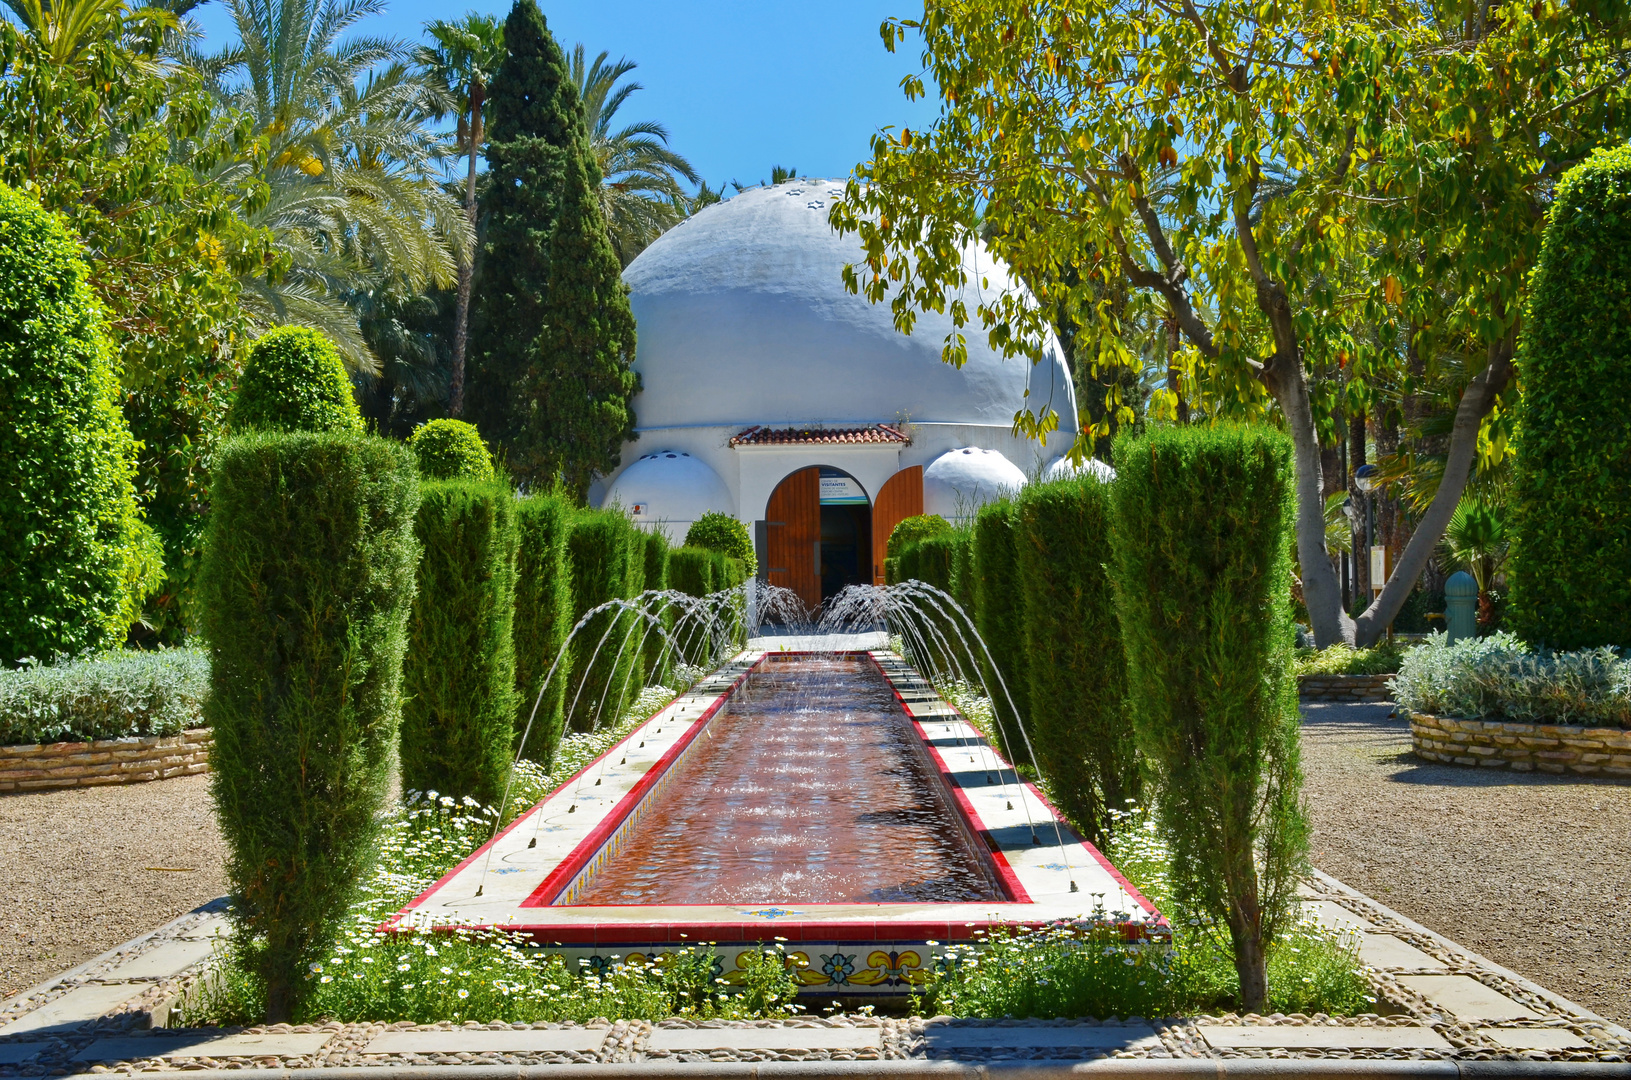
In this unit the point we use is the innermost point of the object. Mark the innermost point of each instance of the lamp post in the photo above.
(1365, 480)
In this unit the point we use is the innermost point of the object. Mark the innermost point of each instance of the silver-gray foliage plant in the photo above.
(113, 695)
(1501, 677)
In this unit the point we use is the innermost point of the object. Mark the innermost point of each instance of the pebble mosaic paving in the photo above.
(1441, 1002)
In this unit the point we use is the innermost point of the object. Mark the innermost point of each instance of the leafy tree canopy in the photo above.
(1258, 170)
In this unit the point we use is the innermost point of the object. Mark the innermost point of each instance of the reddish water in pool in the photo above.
(808, 791)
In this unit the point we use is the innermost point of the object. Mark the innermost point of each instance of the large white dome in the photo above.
(743, 319)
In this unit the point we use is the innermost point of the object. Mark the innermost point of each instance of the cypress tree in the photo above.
(552, 336)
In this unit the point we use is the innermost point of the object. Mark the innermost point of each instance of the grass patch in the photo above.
(1381, 659)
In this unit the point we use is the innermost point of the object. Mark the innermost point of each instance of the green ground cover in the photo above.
(1382, 658)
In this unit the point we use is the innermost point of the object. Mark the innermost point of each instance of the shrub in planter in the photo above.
(1571, 522)
(307, 580)
(724, 534)
(294, 380)
(76, 558)
(1078, 721)
(458, 715)
(602, 548)
(543, 619)
(110, 696)
(451, 450)
(1000, 616)
(1201, 524)
(1500, 677)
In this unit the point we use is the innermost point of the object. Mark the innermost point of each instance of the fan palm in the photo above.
(466, 54)
(352, 164)
(640, 176)
(1476, 539)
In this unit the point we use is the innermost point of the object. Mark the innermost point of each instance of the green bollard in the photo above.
(1461, 606)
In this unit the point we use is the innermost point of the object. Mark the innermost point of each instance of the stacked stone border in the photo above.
(1345, 687)
(130, 760)
(1502, 744)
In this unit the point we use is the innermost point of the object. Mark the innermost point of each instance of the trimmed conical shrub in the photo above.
(459, 717)
(305, 588)
(543, 618)
(76, 559)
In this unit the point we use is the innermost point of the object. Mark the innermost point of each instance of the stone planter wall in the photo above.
(1553, 748)
(1344, 687)
(105, 761)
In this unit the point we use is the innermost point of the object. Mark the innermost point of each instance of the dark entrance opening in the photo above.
(846, 533)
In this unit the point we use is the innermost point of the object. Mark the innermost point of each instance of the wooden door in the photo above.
(793, 535)
(900, 497)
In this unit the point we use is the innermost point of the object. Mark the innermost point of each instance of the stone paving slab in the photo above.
(136, 1048)
(17, 1053)
(1547, 1038)
(757, 1038)
(1321, 1037)
(81, 1004)
(477, 1041)
(1465, 998)
(1332, 914)
(165, 959)
(938, 1037)
(1387, 951)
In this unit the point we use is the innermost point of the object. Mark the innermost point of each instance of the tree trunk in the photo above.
(1476, 402)
(467, 265)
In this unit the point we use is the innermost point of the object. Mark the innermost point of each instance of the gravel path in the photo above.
(1532, 871)
(79, 877)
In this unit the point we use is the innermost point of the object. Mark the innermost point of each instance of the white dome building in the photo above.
(798, 407)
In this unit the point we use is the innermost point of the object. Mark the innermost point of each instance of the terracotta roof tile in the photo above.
(759, 435)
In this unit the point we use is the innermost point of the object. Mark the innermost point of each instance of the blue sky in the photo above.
(741, 85)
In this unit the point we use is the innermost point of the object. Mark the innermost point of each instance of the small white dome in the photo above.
(959, 482)
(670, 486)
(1062, 469)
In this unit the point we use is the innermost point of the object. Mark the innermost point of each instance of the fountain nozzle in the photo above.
(479, 888)
(533, 842)
(1073, 887)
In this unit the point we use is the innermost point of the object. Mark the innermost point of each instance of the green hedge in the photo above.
(691, 571)
(1201, 522)
(999, 604)
(111, 696)
(962, 571)
(1571, 526)
(1078, 671)
(655, 659)
(305, 589)
(724, 534)
(606, 562)
(294, 380)
(543, 618)
(76, 559)
(451, 450)
(458, 715)
(910, 530)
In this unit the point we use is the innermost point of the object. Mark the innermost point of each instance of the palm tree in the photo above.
(463, 60)
(640, 175)
(352, 165)
(64, 30)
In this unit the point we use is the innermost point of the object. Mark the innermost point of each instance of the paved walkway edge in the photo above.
(1559, 1000)
(1107, 1069)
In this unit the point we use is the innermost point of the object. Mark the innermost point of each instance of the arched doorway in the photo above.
(818, 534)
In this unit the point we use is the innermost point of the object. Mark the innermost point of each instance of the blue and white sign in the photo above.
(841, 491)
